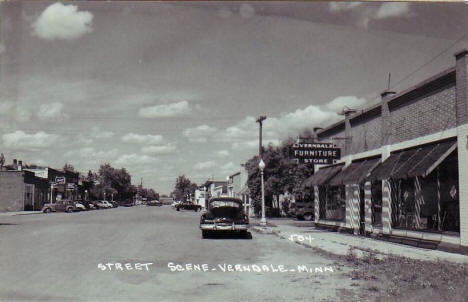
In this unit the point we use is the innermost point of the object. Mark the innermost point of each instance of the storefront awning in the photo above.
(355, 173)
(322, 175)
(419, 161)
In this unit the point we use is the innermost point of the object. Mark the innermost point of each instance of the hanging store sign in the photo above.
(316, 153)
(60, 180)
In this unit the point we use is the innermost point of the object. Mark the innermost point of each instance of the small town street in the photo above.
(57, 257)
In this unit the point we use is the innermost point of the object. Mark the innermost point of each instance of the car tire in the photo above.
(205, 234)
(69, 210)
(47, 210)
(177, 209)
(308, 217)
(299, 217)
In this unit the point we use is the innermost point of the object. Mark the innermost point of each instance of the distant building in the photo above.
(21, 190)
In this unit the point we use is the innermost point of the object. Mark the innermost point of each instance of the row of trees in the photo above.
(282, 174)
(110, 182)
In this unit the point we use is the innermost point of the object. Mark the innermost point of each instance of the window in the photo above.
(333, 203)
(376, 202)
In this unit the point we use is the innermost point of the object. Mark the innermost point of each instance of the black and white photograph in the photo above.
(237, 151)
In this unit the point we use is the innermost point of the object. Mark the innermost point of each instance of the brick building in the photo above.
(404, 166)
(21, 191)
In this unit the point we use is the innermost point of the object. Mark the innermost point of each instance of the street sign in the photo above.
(316, 153)
(60, 180)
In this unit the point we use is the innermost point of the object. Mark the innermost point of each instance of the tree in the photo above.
(68, 167)
(281, 174)
(183, 187)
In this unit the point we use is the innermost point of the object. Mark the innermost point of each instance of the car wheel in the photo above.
(47, 210)
(299, 217)
(308, 217)
(69, 210)
(177, 209)
(205, 234)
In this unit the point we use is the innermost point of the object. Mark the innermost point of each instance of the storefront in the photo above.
(404, 165)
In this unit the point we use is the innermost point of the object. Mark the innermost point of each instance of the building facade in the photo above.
(404, 166)
(21, 191)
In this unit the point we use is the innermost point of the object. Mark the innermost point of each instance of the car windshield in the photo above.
(223, 203)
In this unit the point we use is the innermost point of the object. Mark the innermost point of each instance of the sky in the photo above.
(165, 89)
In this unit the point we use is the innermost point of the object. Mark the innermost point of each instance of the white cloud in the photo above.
(223, 153)
(246, 10)
(97, 132)
(52, 111)
(393, 9)
(22, 140)
(133, 159)
(229, 167)
(206, 165)
(253, 144)
(169, 110)
(372, 13)
(62, 22)
(142, 138)
(200, 133)
(244, 134)
(342, 6)
(23, 114)
(83, 140)
(5, 108)
(340, 102)
(159, 150)
(91, 153)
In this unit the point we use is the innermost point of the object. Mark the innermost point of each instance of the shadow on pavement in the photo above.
(229, 235)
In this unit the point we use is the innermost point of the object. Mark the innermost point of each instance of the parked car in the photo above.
(156, 203)
(224, 214)
(102, 204)
(88, 204)
(305, 211)
(79, 206)
(126, 203)
(59, 206)
(114, 204)
(188, 206)
(174, 203)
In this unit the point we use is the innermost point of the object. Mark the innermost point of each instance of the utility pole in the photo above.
(261, 166)
(260, 123)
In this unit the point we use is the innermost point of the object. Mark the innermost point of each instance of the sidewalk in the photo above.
(19, 213)
(304, 233)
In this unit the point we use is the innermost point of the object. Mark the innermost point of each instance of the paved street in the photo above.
(56, 257)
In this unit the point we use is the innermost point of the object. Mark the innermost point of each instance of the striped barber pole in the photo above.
(316, 203)
(386, 205)
(368, 205)
(419, 201)
(356, 206)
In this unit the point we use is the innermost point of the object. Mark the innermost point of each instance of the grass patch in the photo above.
(399, 279)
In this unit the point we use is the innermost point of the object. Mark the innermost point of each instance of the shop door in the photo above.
(28, 197)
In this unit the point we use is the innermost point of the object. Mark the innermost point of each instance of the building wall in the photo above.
(11, 191)
(365, 134)
(422, 116)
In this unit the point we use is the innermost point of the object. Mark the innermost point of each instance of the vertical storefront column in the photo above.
(368, 205)
(463, 182)
(353, 206)
(386, 206)
(461, 69)
(316, 204)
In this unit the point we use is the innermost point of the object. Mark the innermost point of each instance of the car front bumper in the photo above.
(223, 227)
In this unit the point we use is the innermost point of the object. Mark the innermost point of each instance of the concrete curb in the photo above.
(10, 214)
(351, 251)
